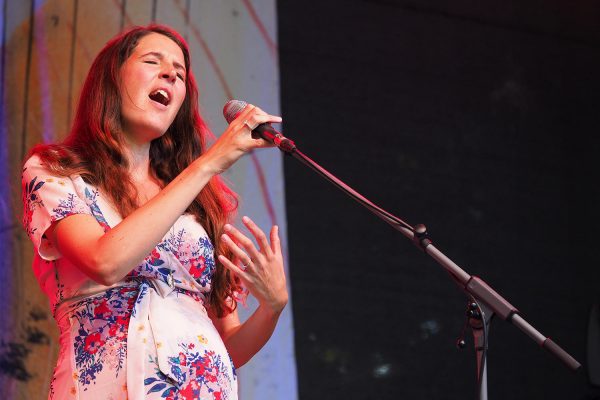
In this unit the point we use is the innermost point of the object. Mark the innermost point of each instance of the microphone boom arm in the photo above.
(473, 286)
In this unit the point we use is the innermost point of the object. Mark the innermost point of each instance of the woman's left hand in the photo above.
(262, 271)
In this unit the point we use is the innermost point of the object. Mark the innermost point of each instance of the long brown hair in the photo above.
(94, 150)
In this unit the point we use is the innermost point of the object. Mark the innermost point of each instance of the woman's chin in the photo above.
(142, 133)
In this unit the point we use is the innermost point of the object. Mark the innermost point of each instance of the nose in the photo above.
(170, 75)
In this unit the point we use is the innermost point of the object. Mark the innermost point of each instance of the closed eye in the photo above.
(180, 76)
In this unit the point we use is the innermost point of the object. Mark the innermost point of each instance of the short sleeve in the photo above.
(47, 198)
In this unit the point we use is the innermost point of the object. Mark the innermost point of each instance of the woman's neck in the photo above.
(145, 183)
(138, 156)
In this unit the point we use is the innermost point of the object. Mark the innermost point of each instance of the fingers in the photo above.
(231, 266)
(245, 114)
(243, 248)
(275, 242)
(238, 139)
(246, 256)
(263, 273)
(252, 116)
(267, 249)
(259, 235)
(245, 122)
(255, 120)
(244, 241)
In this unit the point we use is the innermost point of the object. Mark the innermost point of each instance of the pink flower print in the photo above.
(182, 359)
(119, 328)
(199, 367)
(112, 331)
(187, 392)
(154, 255)
(197, 267)
(102, 311)
(93, 342)
(154, 258)
(211, 377)
(123, 320)
(130, 302)
(111, 357)
(125, 290)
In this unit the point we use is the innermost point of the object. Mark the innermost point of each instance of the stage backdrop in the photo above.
(47, 48)
(478, 119)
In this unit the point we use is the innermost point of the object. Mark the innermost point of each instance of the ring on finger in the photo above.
(248, 125)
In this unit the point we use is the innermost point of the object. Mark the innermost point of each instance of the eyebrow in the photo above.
(161, 56)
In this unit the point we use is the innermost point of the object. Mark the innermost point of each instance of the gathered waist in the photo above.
(117, 299)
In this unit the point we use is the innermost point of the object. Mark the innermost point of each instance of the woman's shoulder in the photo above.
(43, 181)
(35, 166)
(33, 161)
(35, 170)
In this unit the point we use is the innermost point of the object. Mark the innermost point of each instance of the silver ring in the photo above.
(248, 125)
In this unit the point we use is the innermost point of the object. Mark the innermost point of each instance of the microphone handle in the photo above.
(267, 132)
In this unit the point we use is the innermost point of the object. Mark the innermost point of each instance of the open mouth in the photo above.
(160, 96)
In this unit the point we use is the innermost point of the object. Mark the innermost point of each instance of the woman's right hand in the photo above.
(237, 139)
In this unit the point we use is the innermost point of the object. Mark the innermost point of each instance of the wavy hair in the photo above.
(94, 149)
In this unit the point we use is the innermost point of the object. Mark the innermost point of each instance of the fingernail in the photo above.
(245, 219)
(227, 227)
(224, 236)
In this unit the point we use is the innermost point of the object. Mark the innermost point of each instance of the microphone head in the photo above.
(232, 108)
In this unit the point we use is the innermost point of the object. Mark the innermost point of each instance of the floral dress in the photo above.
(146, 337)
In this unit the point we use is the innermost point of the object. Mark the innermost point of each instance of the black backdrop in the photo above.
(476, 119)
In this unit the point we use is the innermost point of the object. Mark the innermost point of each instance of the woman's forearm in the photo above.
(245, 340)
(108, 257)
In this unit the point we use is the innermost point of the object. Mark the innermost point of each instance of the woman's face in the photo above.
(152, 88)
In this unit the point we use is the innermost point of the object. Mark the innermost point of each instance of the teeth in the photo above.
(163, 93)
(161, 96)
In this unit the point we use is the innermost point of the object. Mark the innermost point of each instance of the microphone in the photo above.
(232, 109)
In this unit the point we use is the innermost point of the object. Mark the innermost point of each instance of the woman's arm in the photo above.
(243, 341)
(264, 276)
(108, 257)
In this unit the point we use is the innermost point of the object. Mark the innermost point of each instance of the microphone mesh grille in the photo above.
(232, 108)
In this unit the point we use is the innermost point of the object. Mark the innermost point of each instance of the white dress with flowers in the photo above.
(146, 337)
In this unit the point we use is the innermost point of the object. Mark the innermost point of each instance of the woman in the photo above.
(124, 215)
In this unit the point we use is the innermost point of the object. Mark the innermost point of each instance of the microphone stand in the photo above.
(484, 302)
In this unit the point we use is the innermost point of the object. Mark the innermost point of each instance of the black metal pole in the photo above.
(489, 300)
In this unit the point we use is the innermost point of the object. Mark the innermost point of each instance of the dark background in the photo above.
(476, 119)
